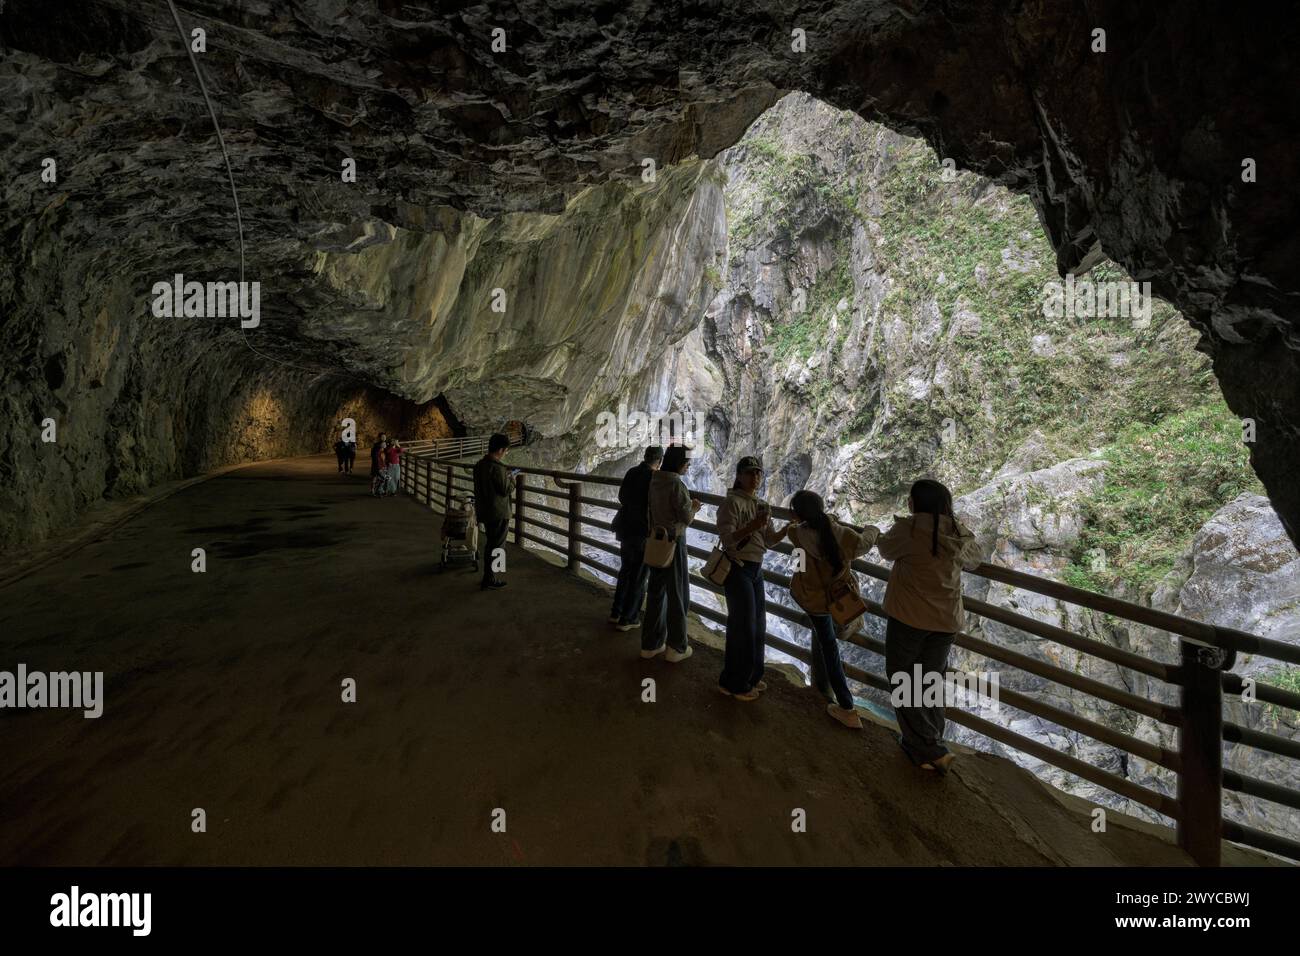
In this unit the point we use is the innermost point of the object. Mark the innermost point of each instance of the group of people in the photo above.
(385, 466)
(346, 453)
(928, 547)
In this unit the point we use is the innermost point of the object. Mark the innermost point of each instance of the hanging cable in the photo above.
(239, 218)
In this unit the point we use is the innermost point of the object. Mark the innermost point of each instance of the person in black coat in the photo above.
(631, 527)
(493, 484)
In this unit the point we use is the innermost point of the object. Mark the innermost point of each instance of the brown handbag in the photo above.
(846, 604)
(843, 602)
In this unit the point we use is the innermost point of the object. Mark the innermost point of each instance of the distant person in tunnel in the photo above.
(828, 549)
(745, 532)
(393, 454)
(672, 508)
(923, 603)
(631, 530)
(341, 453)
(492, 485)
(377, 461)
(350, 456)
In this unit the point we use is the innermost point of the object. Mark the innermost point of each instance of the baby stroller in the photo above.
(460, 534)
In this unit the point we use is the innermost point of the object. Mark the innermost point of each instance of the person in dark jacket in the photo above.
(341, 453)
(377, 460)
(492, 486)
(631, 530)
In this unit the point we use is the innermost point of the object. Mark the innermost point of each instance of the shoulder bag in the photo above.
(660, 547)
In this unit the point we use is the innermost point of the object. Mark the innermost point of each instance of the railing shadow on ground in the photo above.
(437, 469)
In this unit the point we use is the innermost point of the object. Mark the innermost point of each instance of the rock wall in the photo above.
(555, 315)
(548, 317)
(137, 400)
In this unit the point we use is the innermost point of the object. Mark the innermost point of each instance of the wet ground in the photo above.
(223, 692)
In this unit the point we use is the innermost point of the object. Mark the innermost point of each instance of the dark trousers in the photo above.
(494, 537)
(827, 668)
(348, 461)
(742, 664)
(632, 577)
(343, 459)
(667, 600)
(905, 647)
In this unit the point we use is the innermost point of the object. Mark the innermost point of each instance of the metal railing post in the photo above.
(575, 526)
(447, 502)
(1200, 749)
(519, 509)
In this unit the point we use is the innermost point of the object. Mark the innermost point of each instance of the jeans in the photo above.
(742, 665)
(905, 647)
(667, 601)
(493, 538)
(394, 478)
(632, 577)
(827, 669)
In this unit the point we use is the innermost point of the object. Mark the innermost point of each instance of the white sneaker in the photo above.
(675, 657)
(751, 694)
(846, 716)
(655, 653)
(629, 627)
(613, 619)
(761, 686)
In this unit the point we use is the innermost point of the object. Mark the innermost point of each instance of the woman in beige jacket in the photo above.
(929, 548)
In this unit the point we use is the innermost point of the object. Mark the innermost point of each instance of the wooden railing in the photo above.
(1206, 654)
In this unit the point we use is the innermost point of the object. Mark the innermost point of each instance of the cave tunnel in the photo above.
(1043, 253)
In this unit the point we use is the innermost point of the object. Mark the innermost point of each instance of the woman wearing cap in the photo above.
(745, 532)
(669, 594)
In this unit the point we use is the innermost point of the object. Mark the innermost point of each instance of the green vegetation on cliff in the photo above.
(1133, 387)
(966, 349)
(1163, 481)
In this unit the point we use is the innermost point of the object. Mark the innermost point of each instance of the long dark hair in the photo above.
(808, 507)
(674, 457)
(932, 498)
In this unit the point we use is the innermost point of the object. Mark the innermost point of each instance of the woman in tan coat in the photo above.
(929, 548)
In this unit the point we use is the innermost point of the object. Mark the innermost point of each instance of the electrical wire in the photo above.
(239, 218)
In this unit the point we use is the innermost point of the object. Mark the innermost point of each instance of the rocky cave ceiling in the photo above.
(1134, 153)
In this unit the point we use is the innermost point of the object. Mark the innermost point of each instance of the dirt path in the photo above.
(223, 692)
